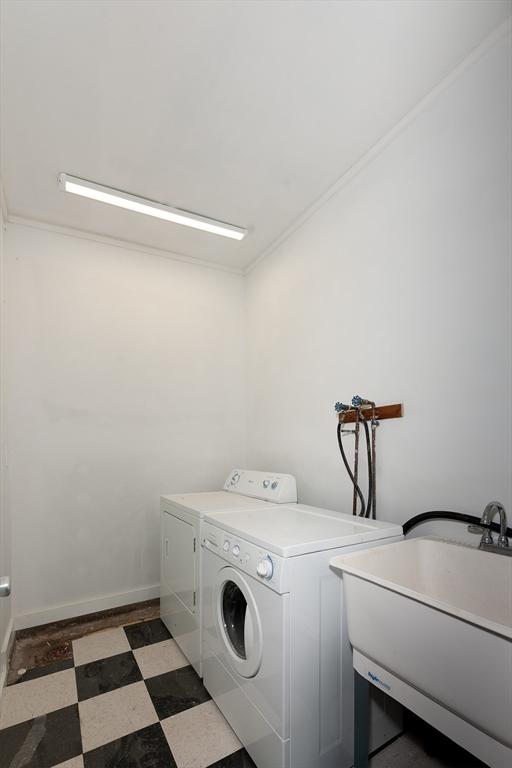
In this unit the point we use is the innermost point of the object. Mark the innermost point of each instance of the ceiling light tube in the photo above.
(141, 205)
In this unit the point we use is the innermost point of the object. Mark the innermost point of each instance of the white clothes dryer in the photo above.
(180, 563)
(276, 655)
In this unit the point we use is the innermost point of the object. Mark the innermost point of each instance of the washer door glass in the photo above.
(239, 623)
(234, 608)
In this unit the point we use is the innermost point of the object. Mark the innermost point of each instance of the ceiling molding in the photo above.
(500, 32)
(117, 243)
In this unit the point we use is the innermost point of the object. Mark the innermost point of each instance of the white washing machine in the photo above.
(276, 654)
(180, 572)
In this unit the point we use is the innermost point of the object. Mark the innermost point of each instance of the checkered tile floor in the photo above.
(127, 699)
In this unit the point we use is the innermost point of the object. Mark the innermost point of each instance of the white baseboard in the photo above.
(70, 610)
(5, 652)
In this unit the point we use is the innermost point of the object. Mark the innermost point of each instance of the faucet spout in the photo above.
(490, 511)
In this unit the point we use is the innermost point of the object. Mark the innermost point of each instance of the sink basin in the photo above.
(438, 616)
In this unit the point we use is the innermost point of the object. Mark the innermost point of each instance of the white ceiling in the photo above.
(242, 111)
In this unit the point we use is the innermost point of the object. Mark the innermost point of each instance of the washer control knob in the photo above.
(265, 568)
(235, 478)
(225, 546)
(266, 483)
(236, 550)
(274, 485)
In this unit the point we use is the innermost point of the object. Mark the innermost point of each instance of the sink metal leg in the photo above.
(361, 721)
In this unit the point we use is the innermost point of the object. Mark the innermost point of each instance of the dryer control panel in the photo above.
(269, 486)
(264, 566)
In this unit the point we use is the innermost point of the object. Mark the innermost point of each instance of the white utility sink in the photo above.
(437, 615)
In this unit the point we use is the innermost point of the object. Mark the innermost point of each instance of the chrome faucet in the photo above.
(487, 542)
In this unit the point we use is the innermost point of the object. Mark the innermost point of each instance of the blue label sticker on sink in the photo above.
(378, 681)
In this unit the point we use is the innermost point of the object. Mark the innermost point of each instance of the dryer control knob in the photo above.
(265, 568)
(236, 550)
(225, 546)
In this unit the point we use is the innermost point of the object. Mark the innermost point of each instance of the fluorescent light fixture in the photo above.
(148, 207)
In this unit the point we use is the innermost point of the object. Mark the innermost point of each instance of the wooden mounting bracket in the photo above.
(395, 411)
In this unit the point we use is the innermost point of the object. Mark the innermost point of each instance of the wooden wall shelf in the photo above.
(395, 411)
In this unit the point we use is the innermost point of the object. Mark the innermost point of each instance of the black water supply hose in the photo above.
(459, 517)
(369, 508)
(349, 471)
(366, 511)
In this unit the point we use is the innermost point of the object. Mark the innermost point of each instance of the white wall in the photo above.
(5, 526)
(399, 288)
(125, 381)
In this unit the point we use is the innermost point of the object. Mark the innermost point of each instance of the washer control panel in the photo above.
(269, 486)
(264, 566)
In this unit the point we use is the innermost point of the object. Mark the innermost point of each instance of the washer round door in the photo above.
(238, 622)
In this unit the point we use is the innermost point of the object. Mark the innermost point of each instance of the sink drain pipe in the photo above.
(459, 517)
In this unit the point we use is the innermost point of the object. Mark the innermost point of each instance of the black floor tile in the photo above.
(47, 669)
(42, 742)
(147, 748)
(176, 691)
(146, 633)
(106, 675)
(240, 759)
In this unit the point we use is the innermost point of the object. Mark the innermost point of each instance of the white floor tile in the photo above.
(100, 645)
(75, 762)
(111, 715)
(159, 658)
(24, 701)
(199, 736)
